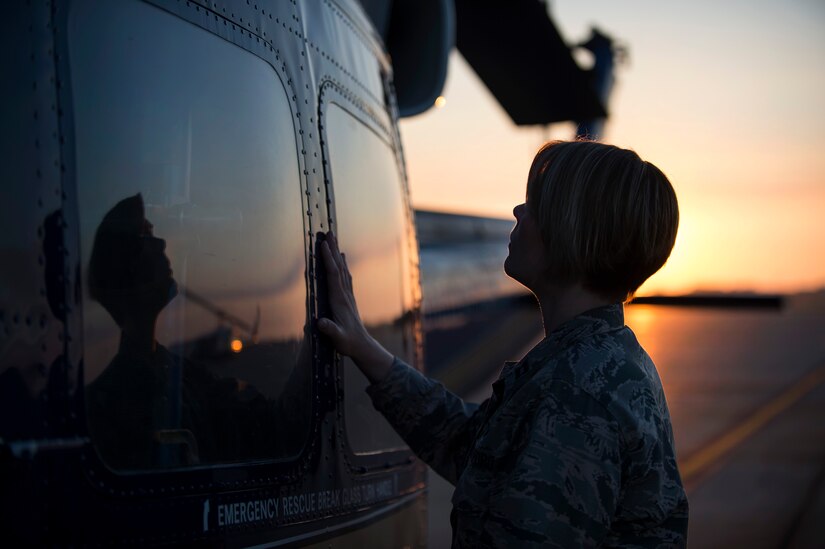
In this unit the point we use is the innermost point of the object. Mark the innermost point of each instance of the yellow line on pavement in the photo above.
(707, 456)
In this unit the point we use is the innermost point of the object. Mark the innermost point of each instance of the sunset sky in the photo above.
(727, 98)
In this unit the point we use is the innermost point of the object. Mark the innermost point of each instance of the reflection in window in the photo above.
(372, 232)
(192, 244)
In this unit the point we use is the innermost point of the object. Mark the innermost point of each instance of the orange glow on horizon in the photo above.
(750, 180)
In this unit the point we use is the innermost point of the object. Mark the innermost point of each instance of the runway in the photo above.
(746, 391)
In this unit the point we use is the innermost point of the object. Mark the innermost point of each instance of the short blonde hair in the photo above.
(608, 219)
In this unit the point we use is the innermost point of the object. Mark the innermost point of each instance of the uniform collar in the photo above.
(584, 326)
(589, 323)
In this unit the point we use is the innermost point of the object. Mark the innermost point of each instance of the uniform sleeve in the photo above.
(437, 425)
(564, 485)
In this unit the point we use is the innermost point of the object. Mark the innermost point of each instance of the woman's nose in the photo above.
(517, 211)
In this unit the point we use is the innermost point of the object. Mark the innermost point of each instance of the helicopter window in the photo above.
(192, 243)
(372, 230)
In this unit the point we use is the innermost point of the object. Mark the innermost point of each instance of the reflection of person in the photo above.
(129, 273)
(151, 408)
(575, 446)
(135, 397)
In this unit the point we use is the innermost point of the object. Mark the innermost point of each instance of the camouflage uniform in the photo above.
(573, 449)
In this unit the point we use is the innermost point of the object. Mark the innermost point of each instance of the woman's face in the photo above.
(527, 262)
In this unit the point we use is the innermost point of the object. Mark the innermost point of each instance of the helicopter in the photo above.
(171, 169)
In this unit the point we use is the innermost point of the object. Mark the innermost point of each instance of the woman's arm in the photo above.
(436, 424)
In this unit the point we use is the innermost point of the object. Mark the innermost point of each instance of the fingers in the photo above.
(344, 326)
(329, 259)
(347, 274)
(335, 333)
(336, 252)
(335, 261)
(331, 253)
(331, 241)
(339, 281)
(328, 327)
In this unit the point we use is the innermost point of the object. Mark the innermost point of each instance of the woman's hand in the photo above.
(345, 328)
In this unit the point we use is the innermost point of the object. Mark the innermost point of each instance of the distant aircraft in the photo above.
(168, 167)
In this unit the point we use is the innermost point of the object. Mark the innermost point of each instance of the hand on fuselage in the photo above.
(345, 327)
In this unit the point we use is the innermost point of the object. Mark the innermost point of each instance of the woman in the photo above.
(575, 447)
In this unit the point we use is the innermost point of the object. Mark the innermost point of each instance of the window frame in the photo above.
(379, 122)
(202, 478)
